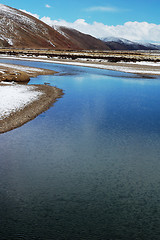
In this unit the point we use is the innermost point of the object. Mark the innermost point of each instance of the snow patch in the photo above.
(58, 29)
(15, 98)
(16, 16)
(51, 43)
(9, 40)
(118, 40)
(157, 64)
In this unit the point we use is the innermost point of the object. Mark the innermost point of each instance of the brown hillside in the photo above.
(83, 41)
(20, 30)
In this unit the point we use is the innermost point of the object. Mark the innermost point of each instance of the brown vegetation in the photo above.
(9, 74)
(110, 56)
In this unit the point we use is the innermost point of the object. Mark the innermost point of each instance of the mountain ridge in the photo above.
(81, 39)
(115, 43)
(21, 30)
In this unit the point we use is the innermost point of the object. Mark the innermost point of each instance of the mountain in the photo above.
(20, 30)
(124, 44)
(83, 41)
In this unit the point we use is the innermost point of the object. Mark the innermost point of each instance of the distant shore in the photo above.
(146, 68)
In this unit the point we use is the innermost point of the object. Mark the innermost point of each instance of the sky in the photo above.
(136, 20)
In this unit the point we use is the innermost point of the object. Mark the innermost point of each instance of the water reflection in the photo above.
(88, 168)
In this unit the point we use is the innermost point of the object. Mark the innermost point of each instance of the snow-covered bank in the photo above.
(21, 103)
(15, 97)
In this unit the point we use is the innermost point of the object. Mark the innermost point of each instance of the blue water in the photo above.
(89, 167)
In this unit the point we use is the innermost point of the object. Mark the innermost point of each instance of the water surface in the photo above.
(88, 168)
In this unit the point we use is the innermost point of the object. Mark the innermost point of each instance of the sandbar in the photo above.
(15, 75)
(18, 73)
(45, 101)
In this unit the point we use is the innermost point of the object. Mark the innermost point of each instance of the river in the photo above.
(89, 167)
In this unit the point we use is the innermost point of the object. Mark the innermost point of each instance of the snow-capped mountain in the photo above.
(124, 44)
(18, 29)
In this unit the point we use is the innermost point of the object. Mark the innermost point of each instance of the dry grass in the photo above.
(9, 74)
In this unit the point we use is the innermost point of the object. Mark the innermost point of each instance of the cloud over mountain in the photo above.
(134, 31)
(21, 29)
(32, 14)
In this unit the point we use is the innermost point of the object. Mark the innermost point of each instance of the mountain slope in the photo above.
(20, 30)
(124, 44)
(83, 41)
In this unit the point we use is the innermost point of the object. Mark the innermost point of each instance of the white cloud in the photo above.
(134, 31)
(32, 14)
(101, 9)
(48, 21)
(47, 6)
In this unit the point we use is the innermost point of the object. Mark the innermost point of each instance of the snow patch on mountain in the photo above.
(119, 40)
(21, 29)
(16, 16)
(58, 29)
(135, 45)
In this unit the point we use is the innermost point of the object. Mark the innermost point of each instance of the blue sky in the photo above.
(110, 13)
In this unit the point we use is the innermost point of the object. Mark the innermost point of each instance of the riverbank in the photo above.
(22, 103)
(146, 68)
(45, 96)
(18, 73)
